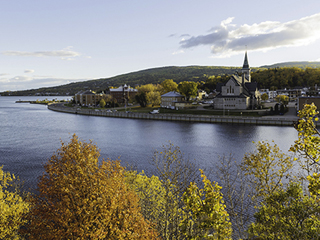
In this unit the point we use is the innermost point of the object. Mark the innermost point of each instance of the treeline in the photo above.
(267, 195)
(280, 78)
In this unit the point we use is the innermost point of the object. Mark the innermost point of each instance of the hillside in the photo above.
(301, 65)
(153, 75)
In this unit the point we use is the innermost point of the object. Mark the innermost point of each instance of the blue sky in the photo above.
(48, 43)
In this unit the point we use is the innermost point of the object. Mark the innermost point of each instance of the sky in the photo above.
(46, 43)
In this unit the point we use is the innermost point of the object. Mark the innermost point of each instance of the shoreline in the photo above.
(271, 121)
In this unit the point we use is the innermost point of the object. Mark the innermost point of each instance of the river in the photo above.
(30, 134)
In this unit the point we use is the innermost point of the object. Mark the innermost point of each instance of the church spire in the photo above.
(245, 63)
(246, 77)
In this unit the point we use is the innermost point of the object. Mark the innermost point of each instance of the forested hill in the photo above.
(301, 65)
(266, 76)
(153, 75)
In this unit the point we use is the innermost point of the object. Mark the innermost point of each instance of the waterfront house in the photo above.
(169, 99)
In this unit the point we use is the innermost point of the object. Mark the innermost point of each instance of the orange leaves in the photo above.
(80, 199)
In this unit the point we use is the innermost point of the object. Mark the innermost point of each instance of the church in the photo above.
(238, 93)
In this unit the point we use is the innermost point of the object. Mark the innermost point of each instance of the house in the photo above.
(123, 93)
(88, 98)
(169, 99)
(238, 92)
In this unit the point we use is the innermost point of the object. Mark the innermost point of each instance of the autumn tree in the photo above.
(207, 217)
(283, 99)
(266, 168)
(169, 85)
(188, 89)
(308, 145)
(236, 194)
(264, 97)
(175, 173)
(152, 196)
(149, 94)
(102, 103)
(78, 198)
(12, 207)
(287, 214)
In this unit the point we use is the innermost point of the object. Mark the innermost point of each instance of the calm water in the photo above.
(31, 133)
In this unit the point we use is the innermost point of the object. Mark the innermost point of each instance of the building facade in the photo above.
(88, 98)
(123, 94)
(169, 99)
(238, 92)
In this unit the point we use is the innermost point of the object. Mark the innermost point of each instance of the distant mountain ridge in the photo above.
(152, 75)
(302, 65)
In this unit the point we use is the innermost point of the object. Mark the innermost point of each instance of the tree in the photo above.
(151, 194)
(169, 85)
(12, 207)
(266, 169)
(82, 199)
(287, 214)
(188, 89)
(141, 98)
(207, 217)
(308, 145)
(236, 194)
(102, 103)
(283, 99)
(264, 97)
(154, 98)
(175, 173)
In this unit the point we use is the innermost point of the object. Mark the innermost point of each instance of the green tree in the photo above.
(78, 198)
(102, 103)
(207, 218)
(141, 98)
(12, 207)
(169, 85)
(188, 89)
(287, 214)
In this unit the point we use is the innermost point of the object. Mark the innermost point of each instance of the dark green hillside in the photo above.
(154, 75)
(301, 65)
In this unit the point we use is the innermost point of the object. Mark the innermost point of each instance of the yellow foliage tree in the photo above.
(12, 207)
(266, 169)
(208, 218)
(82, 199)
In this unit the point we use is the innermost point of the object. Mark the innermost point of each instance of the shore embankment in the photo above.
(270, 120)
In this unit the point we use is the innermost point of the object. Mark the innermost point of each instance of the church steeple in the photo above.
(246, 70)
(245, 63)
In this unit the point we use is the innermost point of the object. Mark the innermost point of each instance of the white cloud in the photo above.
(65, 54)
(29, 71)
(228, 39)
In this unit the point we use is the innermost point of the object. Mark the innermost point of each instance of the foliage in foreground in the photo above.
(207, 217)
(288, 214)
(12, 207)
(82, 199)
